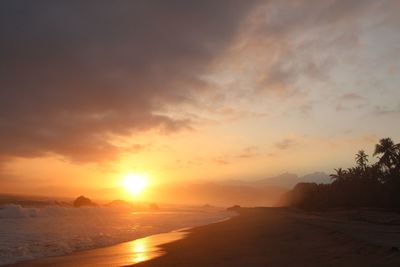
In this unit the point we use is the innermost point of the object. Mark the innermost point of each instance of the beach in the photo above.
(262, 237)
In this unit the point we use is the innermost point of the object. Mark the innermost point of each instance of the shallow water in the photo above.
(27, 233)
(123, 254)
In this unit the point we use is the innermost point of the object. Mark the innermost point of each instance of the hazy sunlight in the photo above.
(135, 183)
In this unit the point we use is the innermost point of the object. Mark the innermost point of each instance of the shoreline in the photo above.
(121, 254)
(284, 238)
(257, 237)
(31, 235)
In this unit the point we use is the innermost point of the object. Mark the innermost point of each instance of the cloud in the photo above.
(285, 144)
(351, 97)
(249, 152)
(287, 49)
(73, 75)
(383, 110)
(221, 161)
(350, 101)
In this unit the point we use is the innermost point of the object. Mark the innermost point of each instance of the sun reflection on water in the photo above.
(140, 251)
(148, 248)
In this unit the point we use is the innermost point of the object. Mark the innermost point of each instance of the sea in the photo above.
(28, 233)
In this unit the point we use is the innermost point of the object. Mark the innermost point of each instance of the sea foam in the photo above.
(29, 233)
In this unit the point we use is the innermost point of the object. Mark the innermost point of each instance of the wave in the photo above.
(30, 233)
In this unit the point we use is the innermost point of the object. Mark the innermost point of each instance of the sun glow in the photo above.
(135, 183)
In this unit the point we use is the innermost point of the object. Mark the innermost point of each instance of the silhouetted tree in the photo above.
(389, 151)
(375, 185)
(339, 175)
(362, 159)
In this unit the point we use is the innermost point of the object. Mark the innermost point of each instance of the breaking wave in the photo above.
(29, 233)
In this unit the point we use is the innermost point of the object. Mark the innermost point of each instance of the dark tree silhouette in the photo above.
(339, 175)
(375, 185)
(389, 151)
(362, 159)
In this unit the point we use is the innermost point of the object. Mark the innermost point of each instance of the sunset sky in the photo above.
(190, 91)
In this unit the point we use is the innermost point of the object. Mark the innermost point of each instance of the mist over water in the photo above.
(29, 233)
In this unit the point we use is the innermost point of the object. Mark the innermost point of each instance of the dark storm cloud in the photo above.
(74, 73)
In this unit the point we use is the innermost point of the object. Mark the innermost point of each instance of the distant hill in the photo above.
(285, 180)
(316, 177)
(218, 194)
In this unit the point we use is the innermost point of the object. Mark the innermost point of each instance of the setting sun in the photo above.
(135, 183)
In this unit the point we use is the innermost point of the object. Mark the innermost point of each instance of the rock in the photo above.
(83, 201)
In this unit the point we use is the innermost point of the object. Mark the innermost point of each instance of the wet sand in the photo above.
(258, 237)
(277, 237)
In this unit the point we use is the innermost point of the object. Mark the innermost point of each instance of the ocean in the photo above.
(31, 233)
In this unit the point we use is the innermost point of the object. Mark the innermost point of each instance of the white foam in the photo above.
(29, 233)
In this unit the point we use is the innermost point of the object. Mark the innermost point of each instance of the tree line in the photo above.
(363, 185)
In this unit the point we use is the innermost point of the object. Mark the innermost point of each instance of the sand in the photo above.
(277, 237)
(262, 237)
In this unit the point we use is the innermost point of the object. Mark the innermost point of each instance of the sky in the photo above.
(190, 91)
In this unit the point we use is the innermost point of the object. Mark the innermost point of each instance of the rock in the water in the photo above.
(83, 201)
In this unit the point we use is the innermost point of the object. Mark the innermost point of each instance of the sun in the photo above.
(135, 183)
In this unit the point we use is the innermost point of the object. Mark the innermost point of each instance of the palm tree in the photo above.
(389, 151)
(362, 159)
(354, 173)
(339, 175)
